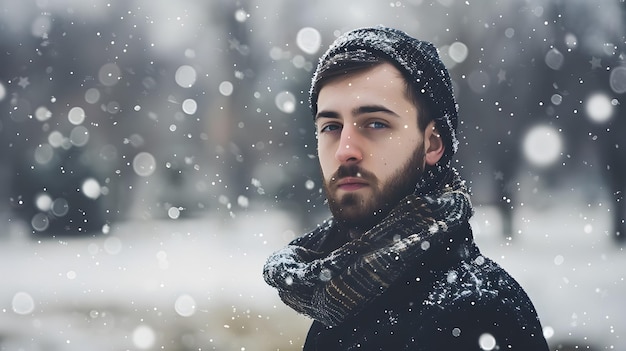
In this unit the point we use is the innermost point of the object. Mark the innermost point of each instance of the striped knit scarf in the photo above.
(332, 286)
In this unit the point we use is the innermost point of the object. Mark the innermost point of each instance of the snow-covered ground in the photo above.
(173, 285)
(195, 284)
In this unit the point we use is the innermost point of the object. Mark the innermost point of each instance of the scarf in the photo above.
(332, 286)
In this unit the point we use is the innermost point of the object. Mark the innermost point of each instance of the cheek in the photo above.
(326, 170)
(389, 162)
(326, 162)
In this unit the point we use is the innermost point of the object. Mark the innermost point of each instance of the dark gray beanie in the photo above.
(418, 60)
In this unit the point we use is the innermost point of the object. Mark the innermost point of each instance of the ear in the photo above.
(433, 144)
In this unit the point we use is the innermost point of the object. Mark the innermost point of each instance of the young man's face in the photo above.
(371, 150)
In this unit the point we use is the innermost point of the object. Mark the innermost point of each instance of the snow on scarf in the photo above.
(329, 287)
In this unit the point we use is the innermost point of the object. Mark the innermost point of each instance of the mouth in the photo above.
(351, 184)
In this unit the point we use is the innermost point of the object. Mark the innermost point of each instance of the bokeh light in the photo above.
(542, 145)
(599, 107)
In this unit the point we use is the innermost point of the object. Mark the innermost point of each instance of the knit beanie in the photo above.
(420, 63)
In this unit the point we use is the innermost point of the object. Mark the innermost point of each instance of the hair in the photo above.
(357, 61)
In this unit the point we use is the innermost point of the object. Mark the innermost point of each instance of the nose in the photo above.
(349, 149)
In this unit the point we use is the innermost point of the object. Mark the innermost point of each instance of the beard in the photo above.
(362, 212)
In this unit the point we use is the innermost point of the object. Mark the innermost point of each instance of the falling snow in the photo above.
(154, 155)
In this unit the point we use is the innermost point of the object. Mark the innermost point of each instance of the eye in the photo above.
(329, 128)
(377, 125)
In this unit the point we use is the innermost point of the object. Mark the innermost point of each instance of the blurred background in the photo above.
(154, 153)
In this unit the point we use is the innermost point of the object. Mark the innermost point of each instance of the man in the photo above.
(396, 267)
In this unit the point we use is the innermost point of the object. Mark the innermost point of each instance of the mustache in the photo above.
(352, 170)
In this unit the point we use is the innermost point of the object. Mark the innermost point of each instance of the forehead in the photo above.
(382, 84)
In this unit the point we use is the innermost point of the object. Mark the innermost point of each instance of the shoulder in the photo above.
(477, 302)
(476, 279)
(480, 285)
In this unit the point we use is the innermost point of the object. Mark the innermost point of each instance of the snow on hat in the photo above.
(417, 59)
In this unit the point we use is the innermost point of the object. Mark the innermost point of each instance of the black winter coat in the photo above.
(453, 299)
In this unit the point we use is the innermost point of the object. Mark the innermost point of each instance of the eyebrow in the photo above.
(360, 110)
